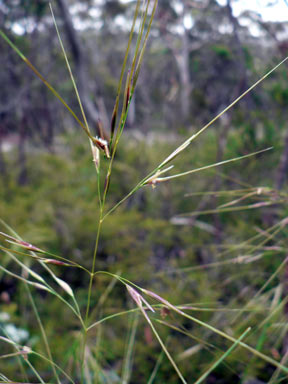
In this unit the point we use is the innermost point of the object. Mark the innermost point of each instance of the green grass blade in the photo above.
(223, 357)
(127, 366)
(48, 85)
(186, 143)
(212, 165)
(43, 332)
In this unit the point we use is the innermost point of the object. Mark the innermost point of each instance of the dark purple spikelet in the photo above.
(21, 243)
(29, 246)
(127, 99)
(113, 121)
(55, 262)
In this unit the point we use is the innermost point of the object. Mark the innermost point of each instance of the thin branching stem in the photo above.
(48, 85)
(186, 143)
(219, 361)
(43, 332)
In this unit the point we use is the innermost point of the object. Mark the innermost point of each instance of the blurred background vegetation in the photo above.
(216, 240)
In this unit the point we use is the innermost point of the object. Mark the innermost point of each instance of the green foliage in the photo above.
(58, 212)
(222, 51)
(280, 94)
(201, 247)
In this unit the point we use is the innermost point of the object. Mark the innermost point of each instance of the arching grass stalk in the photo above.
(129, 91)
(48, 85)
(128, 359)
(223, 357)
(116, 106)
(94, 149)
(157, 365)
(264, 286)
(123, 117)
(42, 283)
(160, 306)
(57, 260)
(43, 333)
(102, 201)
(119, 131)
(96, 159)
(25, 351)
(22, 352)
(153, 177)
(215, 330)
(186, 143)
(140, 300)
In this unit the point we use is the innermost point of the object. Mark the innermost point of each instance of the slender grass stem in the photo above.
(129, 96)
(163, 346)
(56, 366)
(156, 368)
(48, 85)
(186, 143)
(70, 264)
(20, 352)
(228, 337)
(43, 332)
(219, 361)
(128, 360)
(93, 266)
(90, 288)
(116, 106)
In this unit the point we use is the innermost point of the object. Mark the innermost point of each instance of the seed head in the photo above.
(138, 298)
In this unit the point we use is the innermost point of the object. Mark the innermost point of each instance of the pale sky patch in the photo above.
(277, 11)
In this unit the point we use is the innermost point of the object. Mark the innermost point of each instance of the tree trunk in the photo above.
(22, 160)
(181, 55)
(241, 69)
(282, 171)
(3, 169)
(182, 59)
(285, 309)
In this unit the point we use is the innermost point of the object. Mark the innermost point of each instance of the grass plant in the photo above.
(36, 267)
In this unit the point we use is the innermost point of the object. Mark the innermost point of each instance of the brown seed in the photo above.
(164, 312)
